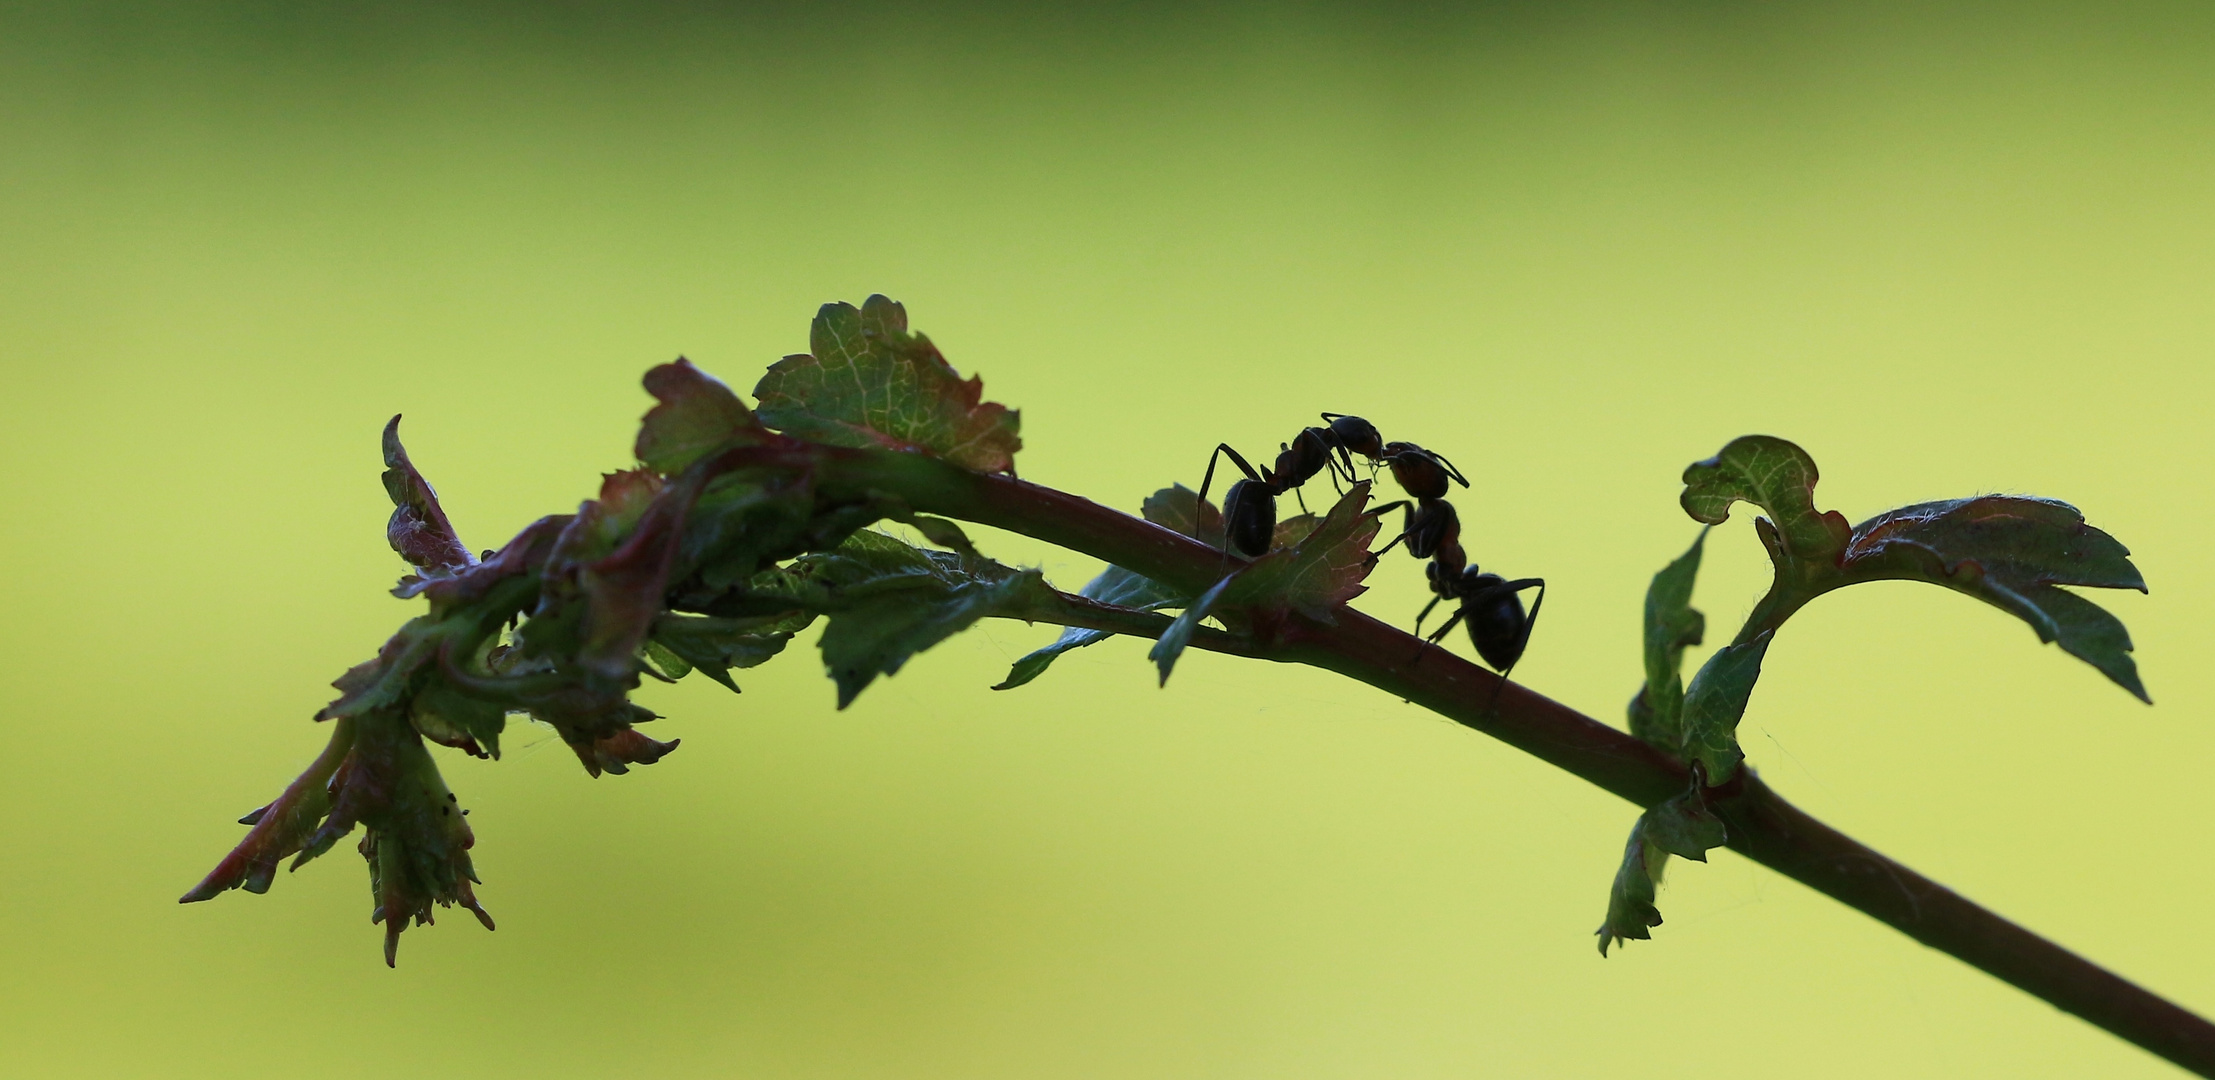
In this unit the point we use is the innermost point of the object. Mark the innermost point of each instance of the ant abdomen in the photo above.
(1250, 517)
(1495, 619)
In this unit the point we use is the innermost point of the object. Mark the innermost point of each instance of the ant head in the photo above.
(1357, 435)
(1418, 470)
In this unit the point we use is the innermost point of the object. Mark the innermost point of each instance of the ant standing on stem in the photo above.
(1250, 506)
(1490, 605)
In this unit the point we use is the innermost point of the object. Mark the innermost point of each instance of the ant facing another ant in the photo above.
(1491, 606)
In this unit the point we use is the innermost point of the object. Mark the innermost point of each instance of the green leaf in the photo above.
(1115, 585)
(665, 662)
(1630, 903)
(450, 717)
(1319, 574)
(940, 531)
(1179, 509)
(742, 523)
(888, 601)
(375, 773)
(418, 529)
(714, 646)
(624, 589)
(1775, 475)
(1715, 703)
(1172, 643)
(2011, 552)
(1685, 826)
(697, 416)
(870, 382)
(1672, 624)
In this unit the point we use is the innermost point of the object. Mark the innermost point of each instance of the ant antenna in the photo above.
(1456, 473)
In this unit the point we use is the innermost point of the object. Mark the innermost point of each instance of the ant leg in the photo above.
(1426, 613)
(1220, 450)
(1437, 636)
(1407, 511)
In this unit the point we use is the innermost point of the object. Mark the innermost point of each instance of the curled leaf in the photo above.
(869, 381)
(1685, 826)
(418, 529)
(1775, 475)
(624, 589)
(618, 750)
(697, 416)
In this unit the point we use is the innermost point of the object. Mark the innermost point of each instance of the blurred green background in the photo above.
(1949, 250)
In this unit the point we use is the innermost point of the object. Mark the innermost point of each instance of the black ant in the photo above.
(1250, 506)
(1493, 609)
(1491, 605)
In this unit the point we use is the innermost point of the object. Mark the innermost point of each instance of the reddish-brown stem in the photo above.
(1762, 826)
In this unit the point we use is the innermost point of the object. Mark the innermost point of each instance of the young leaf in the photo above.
(888, 601)
(2012, 552)
(1715, 703)
(1775, 475)
(1179, 509)
(281, 828)
(1685, 827)
(1172, 643)
(1322, 572)
(697, 416)
(1630, 903)
(870, 382)
(375, 773)
(624, 589)
(713, 646)
(1672, 624)
(1115, 585)
(418, 529)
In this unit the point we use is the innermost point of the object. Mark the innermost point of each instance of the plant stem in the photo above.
(1762, 826)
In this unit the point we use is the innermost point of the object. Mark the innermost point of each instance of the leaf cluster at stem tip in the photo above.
(2013, 552)
(735, 531)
